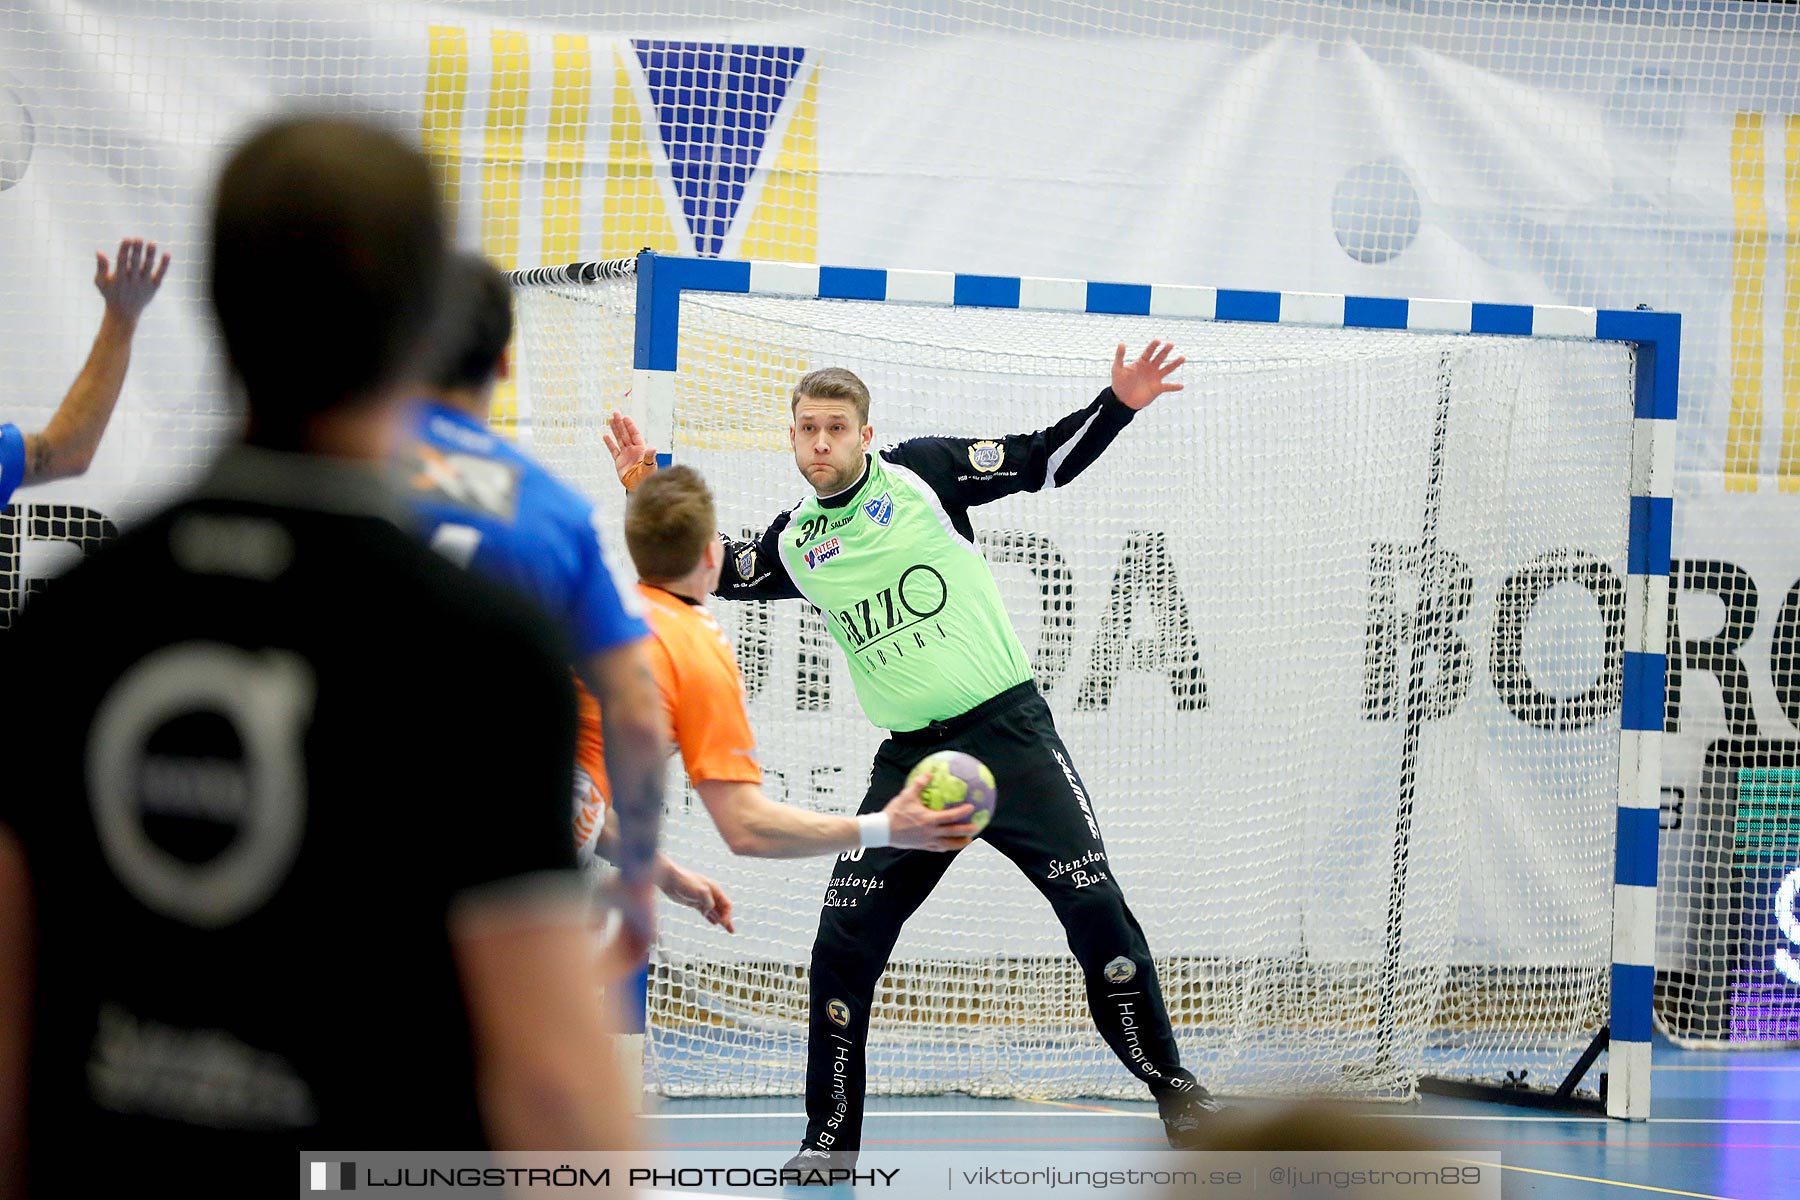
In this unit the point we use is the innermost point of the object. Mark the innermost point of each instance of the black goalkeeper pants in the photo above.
(1044, 823)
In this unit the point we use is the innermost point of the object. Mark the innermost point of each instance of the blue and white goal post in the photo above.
(1314, 793)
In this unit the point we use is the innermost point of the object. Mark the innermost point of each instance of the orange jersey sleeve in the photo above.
(698, 675)
(588, 757)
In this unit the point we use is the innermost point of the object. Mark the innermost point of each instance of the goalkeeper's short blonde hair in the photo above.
(833, 383)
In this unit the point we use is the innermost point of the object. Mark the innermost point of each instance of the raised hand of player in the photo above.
(694, 890)
(1142, 381)
(129, 285)
(912, 826)
(633, 457)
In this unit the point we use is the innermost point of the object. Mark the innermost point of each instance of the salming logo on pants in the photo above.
(1045, 825)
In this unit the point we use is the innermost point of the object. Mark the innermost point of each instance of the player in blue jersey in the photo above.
(491, 508)
(66, 445)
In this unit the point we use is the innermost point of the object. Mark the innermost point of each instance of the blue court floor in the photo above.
(1722, 1125)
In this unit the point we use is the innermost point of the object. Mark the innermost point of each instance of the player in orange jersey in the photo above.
(670, 531)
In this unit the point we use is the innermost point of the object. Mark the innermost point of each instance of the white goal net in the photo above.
(1334, 636)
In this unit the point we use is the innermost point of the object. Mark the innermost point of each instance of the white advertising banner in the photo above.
(1603, 155)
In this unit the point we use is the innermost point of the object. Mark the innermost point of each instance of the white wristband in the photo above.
(874, 830)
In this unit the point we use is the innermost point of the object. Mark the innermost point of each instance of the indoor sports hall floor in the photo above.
(1722, 1125)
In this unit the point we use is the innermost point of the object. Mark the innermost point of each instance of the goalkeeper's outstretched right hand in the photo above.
(633, 458)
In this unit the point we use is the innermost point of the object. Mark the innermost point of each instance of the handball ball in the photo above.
(957, 778)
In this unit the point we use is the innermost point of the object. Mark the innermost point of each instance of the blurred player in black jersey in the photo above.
(291, 868)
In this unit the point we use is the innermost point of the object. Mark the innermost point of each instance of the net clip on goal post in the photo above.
(655, 326)
(1655, 339)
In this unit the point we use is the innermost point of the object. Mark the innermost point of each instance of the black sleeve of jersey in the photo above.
(22, 724)
(47, 717)
(968, 471)
(754, 570)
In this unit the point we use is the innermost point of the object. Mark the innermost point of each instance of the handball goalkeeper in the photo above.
(883, 547)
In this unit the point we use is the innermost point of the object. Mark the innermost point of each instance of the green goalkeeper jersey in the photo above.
(893, 567)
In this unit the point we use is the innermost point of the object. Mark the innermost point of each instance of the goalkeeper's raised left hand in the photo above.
(1138, 383)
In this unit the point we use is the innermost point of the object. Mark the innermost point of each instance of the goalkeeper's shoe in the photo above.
(816, 1166)
(1187, 1116)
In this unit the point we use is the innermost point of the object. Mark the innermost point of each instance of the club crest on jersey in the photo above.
(987, 456)
(746, 564)
(824, 552)
(881, 509)
(1120, 970)
(839, 1012)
